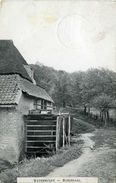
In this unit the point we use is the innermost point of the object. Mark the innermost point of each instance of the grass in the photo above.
(80, 126)
(105, 136)
(4, 165)
(39, 167)
(94, 120)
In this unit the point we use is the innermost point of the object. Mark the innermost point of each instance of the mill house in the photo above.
(28, 125)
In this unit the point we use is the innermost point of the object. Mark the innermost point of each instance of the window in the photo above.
(37, 104)
(43, 104)
(40, 104)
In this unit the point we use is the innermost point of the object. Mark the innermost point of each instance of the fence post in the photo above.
(63, 131)
(57, 133)
(69, 127)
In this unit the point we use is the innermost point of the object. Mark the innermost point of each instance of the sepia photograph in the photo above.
(58, 91)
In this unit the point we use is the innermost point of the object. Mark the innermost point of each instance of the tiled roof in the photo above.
(14, 78)
(12, 85)
(11, 61)
(8, 89)
(34, 90)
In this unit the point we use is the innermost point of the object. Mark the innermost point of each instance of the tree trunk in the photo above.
(101, 115)
(85, 109)
(105, 119)
(89, 110)
(108, 116)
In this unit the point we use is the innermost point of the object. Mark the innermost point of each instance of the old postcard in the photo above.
(57, 91)
(58, 179)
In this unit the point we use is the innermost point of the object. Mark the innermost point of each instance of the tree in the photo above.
(76, 80)
(96, 82)
(62, 93)
(77, 89)
(103, 103)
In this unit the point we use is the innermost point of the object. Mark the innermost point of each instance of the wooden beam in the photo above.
(57, 133)
(69, 128)
(25, 136)
(63, 131)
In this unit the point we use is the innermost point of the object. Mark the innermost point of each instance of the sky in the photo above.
(68, 35)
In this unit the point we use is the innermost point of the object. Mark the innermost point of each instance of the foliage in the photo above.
(91, 88)
(77, 80)
(40, 167)
(62, 92)
(102, 102)
(96, 82)
(46, 77)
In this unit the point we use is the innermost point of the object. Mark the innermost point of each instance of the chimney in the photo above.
(30, 72)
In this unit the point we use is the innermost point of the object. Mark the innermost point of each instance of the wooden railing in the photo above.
(63, 128)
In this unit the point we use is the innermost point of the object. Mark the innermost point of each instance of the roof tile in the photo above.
(11, 84)
(8, 89)
(34, 90)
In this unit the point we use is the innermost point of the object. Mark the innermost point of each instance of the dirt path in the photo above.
(93, 162)
(64, 171)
